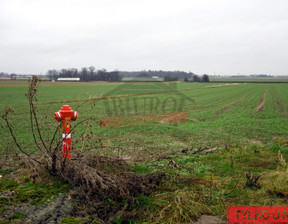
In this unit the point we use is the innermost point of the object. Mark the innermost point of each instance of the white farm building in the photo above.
(68, 79)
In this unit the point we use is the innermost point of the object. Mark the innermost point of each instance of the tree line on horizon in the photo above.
(167, 76)
(87, 74)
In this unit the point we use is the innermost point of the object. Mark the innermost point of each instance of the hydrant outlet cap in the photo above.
(66, 108)
(75, 116)
(57, 116)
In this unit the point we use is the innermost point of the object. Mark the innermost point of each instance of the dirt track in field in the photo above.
(232, 104)
(261, 104)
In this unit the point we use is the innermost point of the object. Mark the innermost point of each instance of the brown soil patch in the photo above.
(261, 104)
(142, 119)
(232, 104)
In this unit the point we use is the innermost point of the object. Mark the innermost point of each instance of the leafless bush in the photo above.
(48, 150)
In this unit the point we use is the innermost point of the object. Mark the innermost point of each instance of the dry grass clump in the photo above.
(103, 185)
(181, 206)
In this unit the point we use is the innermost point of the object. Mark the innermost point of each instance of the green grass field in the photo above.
(232, 129)
(218, 114)
(249, 79)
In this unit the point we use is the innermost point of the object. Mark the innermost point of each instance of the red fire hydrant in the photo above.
(66, 115)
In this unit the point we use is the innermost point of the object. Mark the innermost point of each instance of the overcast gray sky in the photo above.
(201, 36)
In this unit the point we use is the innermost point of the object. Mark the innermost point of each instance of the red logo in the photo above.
(237, 214)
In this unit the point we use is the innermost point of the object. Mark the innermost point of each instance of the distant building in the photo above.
(5, 78)
(155, 77)
(68, 79)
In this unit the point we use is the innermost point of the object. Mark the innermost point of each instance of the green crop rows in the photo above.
(219, 115)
